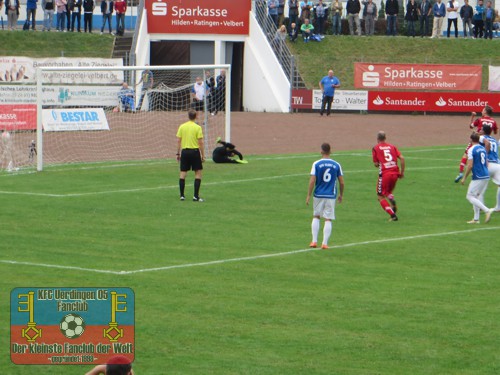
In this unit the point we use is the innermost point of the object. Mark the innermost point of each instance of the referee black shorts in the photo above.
(191, 159)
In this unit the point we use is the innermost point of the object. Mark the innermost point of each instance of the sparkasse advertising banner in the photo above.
(198, 17)
(418, 77)
(17, 117)
(431, 101)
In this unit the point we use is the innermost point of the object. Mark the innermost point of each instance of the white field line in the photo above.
(243, 259)
(165, 187)
(97, 166)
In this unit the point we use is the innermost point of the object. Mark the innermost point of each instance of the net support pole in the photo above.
(39, 127)
(228, 105)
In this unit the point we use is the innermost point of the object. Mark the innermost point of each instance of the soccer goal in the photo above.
(106, 114)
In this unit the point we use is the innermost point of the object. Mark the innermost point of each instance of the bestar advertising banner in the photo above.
(431, 101)
(198, 17)
(418, 77)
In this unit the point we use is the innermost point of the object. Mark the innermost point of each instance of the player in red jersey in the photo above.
(477, 126)
(385, 158)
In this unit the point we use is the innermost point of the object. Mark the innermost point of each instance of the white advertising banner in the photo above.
(494, 78)
(74, 119)
(347, 100)
(23, 70)
(66, 96)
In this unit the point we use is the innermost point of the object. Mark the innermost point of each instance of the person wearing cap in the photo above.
(117, 365)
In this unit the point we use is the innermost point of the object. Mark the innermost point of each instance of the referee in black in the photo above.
(191, 154)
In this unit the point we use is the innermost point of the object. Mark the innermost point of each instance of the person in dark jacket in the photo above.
(226, 152)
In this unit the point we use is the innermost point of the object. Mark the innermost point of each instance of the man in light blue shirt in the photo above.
(328, 84)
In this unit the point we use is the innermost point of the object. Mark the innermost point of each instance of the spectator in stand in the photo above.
(452, 10)
(12, 11)
(337, 17)
(279, 40)
(439, 11)
(306, 30)
(496, 24)
(424, 14)
(353, 8)
(477, 20)
(466, 13)
(70, 3)
(31, 12)
(294, 31)
(221, 91)
(305, 10)
(120, 10)
(88, 12)
(321, 13)
(76, 13)
(107, 8)
(48, 14)
(489, 17)
(391, 11)
(411, 16)
(210, 87)
(370, 15)
(293, 11)
(281, 12)
(273, 6)
(61, 14)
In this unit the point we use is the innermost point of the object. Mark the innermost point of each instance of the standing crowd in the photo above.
(311, 19)
(67, 14)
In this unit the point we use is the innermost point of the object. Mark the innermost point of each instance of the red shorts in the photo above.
(387, 183)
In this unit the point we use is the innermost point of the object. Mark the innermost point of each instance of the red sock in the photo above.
(462, 164)
(387, 207)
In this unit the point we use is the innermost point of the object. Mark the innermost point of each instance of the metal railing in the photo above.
(285, 57)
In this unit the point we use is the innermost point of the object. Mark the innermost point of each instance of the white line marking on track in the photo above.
(242, 259)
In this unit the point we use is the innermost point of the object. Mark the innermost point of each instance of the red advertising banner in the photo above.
(431, 101)
(418, 77)
(17, 117)
(302, 99)
(198, 17)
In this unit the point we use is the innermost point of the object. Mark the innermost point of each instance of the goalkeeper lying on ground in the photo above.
(226, 153)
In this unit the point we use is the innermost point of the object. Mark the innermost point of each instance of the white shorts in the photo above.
(494, 171)
(324, 207)
(477, 187)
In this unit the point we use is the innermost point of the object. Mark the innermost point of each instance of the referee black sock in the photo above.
(197, 184)
(182, 183)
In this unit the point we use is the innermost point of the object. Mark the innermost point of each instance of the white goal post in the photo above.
(106, 114)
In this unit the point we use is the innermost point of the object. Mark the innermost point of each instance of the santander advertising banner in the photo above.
(198, 17)
(431, 101)
(418, 77)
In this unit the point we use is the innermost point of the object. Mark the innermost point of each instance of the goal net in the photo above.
(108, 114)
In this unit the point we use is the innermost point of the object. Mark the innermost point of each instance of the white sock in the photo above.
(498, 199)
(477, 203)
(315, 229)
(327, 231)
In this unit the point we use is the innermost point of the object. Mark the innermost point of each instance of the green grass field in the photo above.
(229, 286)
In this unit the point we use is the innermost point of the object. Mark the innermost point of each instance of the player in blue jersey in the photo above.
(324, 175)
(477, 164)
(491, 146)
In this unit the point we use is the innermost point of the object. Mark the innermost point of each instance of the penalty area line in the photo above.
(244, 259)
